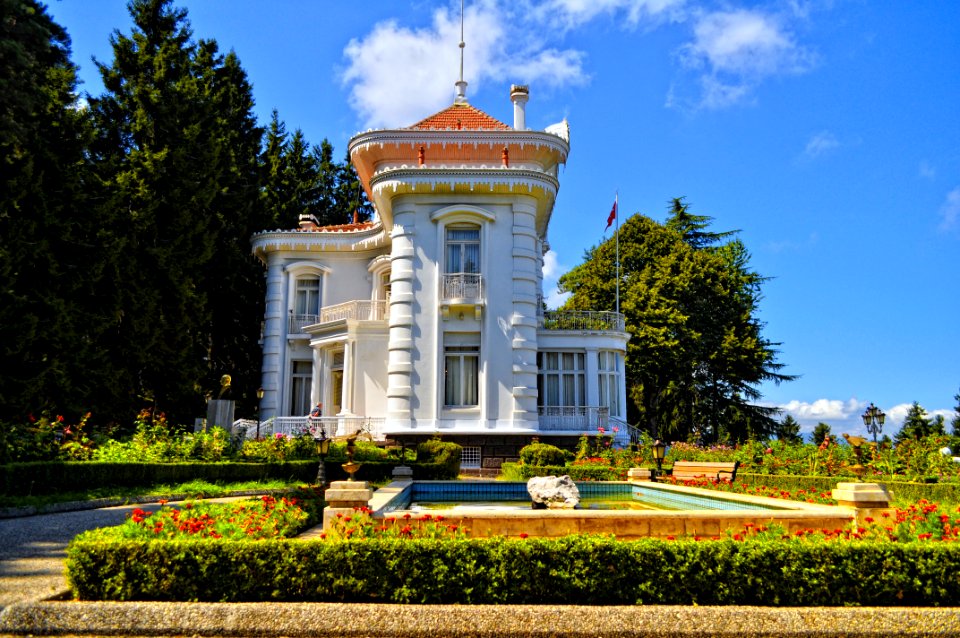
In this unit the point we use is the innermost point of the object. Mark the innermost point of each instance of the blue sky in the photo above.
(826, 131)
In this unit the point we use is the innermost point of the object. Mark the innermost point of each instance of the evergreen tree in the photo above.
(53, 252)
(821, 432)
(788, 430)
(916, 425)
(696, 353)
(955, 423)
(693, 227)
(177, 148)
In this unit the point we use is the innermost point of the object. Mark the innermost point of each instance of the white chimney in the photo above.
(519, 94)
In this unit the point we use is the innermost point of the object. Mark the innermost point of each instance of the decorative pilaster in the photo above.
(400, 344)
(274, 331)
(525, 287)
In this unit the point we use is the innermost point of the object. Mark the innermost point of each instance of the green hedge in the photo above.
(576, 472)
(593, 570)
(903, 492)
(46, 477)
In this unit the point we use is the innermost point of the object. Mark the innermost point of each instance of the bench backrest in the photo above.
(695, 469)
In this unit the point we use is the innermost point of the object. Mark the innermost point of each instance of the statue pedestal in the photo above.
(343, 497)
(220, 413)
(403, 473)
(868, 499)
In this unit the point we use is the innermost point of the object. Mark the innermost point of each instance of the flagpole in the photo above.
(616, 210)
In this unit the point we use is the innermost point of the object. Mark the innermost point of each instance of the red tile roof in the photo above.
(461, 116)
(342, 228)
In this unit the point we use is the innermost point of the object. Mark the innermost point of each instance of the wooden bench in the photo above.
(685, 470)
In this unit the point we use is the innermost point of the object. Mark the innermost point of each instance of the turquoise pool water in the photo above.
(594, 495)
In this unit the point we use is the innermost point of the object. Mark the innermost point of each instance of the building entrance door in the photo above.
(336, 388)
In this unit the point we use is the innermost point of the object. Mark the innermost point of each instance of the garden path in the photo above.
(33, 549)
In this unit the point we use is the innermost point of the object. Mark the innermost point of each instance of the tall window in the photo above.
(610, 373)
(461, 369)
(300, 376)
(307, 301)
(463, 249)
(562, 379)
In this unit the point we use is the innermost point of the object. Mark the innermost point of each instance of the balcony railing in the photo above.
(331, 426)
(581, 320)
(572, 418)
(466, 287)
(362, 310)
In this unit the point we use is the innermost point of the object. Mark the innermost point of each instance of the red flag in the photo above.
(612, 216)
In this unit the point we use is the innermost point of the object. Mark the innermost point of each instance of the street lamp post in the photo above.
(873, 418)
(259, 399)
(659, 451)
(323, 447)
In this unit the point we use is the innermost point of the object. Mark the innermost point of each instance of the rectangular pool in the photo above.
(502, 508)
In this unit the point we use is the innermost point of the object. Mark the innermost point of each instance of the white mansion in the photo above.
(430, 320)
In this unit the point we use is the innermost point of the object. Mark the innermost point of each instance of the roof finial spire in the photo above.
(460, 84)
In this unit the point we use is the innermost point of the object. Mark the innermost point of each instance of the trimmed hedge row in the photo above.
(576, 472)
(902, 490)
(592, 570)
(46, 477)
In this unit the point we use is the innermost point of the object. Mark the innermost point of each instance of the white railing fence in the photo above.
(362, 310)
(571, 418)
(581, 320)
(467, 286)
(330, 426)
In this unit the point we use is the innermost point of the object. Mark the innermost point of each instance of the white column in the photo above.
(592, 372)
(316, 379)
(346, 392)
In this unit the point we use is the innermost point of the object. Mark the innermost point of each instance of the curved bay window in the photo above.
(561, 380)
(610, 371)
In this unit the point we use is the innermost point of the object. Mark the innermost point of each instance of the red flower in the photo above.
(524, 535)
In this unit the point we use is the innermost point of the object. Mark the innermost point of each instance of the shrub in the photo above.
(437, 460)
(592, 570)
(23, 479)
(542, 454)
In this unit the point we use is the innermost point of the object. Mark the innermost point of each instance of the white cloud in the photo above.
(735, 50)
(823, 409)
(552, 270)
(950, 210)
(397, 75)
(821, 143)
(570, 14)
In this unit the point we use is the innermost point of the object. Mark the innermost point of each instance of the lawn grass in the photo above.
(190, 489)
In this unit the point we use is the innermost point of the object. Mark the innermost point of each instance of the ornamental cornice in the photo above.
(318, 241)
(458, 137)
(449, 179)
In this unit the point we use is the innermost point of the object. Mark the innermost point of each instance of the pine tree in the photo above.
(788, 430)
(916, 425)
(820, 432)
(53, 252)
(178, 150)
(955, 423)
(697, 351)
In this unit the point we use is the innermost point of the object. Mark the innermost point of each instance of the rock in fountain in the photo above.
(553, 492)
